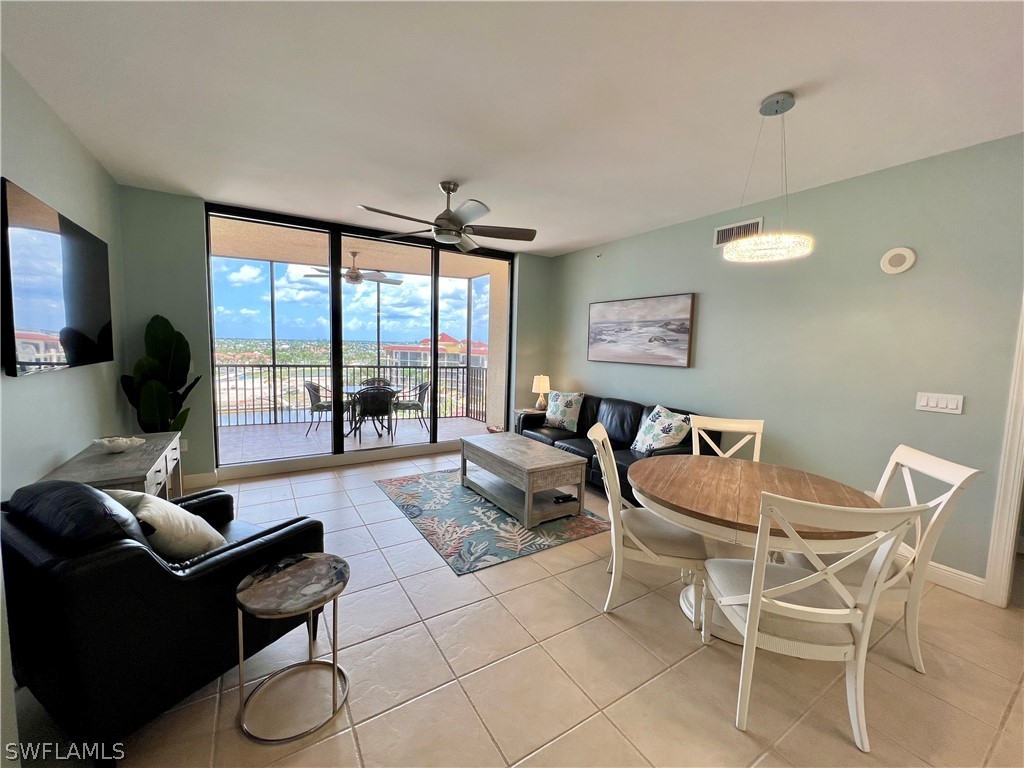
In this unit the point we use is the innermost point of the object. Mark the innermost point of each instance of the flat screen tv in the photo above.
(56, 289)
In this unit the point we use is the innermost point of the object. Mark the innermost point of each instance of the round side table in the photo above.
(295, 585)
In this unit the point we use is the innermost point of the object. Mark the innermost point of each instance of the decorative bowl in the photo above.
(117, 444)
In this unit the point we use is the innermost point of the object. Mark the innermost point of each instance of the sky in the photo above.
(242, 290)
(36, 266)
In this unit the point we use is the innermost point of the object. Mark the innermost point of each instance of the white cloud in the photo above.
(224, 311)
(246, 275)
(249, 312)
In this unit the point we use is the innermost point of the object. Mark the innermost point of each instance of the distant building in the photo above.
(450, 351)
(38, 347)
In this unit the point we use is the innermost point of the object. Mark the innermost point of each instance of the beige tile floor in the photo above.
(516, 665)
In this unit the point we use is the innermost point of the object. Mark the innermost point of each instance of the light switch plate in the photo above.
(184, 445)
(932, 401)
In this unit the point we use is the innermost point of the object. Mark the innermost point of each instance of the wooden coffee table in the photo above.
(519, 475)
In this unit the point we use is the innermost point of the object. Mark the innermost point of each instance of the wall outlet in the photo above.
(932, 401)
(184, 445)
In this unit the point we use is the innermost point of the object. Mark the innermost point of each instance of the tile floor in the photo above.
(516, 665)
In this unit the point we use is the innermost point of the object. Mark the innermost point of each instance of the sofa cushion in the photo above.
(564, 410)
(72, 517)
(177, 533)
(688, 438)
(581, 446)
(661, 429)
(548, 435)
(621, 418)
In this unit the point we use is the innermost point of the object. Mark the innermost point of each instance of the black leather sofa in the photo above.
(105, 633)
(622, 419)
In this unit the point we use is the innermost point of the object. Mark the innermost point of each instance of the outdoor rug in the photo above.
(470, 532)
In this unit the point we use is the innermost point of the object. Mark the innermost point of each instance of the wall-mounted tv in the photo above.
(56, 289)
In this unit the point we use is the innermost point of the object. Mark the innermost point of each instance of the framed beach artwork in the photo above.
(649, 331)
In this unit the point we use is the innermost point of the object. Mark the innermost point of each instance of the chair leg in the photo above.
(310, 424)
(611, 563)
(613, 588)
(746, 681)
(707, 613)
(697, 579)
(320, 417)
(855, 697)
(910, 614)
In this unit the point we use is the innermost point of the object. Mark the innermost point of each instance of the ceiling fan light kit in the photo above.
(772, 246)
(452, 227)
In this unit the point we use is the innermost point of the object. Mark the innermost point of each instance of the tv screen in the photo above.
(56, 289)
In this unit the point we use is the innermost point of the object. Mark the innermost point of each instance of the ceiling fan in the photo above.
(455, 227)
(354, 276)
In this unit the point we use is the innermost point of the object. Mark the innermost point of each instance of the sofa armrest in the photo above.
(530, 421)
(682, 448)
(216, 506)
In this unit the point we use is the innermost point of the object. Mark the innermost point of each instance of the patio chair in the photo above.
(318, 404)
(374, 404)
(415, 403)
(376, 382)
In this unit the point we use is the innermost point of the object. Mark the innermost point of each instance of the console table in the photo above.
(153, 467)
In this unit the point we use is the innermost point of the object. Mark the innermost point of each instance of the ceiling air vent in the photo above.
(732, 232)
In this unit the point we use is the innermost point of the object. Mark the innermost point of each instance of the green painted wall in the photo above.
(830, 351)
(164, 240)
(48, 417)
(531, 327)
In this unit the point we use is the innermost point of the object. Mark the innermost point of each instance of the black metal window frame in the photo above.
(336, 231)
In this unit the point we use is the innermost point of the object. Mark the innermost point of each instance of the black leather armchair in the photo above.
(105, 633)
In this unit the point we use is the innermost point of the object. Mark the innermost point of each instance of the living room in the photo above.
(906, 132)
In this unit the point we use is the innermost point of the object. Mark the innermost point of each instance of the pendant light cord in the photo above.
(752, 158)
(785, 178)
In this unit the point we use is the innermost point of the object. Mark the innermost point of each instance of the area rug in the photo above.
(470, 532)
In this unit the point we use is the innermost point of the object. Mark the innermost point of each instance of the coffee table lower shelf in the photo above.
(513, 500)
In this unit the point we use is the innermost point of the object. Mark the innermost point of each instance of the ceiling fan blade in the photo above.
(470, 210)
(502, 233)
(466, 244)
(388, 280)
(396, 215)
(407, 234)
(317, 274)
(325, 270)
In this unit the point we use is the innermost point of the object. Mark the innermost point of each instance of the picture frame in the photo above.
(654, 330)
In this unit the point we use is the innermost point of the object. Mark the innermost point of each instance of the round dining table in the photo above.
(720, 499)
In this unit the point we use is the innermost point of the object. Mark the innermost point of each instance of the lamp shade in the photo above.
(541, 385)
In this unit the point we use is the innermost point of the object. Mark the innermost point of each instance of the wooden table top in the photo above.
(523, 452)
(727, 492)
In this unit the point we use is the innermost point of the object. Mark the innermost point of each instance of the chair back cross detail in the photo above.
(750, 429)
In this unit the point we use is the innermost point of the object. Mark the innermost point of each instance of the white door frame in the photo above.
(1006, 521)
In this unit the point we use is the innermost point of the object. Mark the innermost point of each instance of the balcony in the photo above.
(263, 412)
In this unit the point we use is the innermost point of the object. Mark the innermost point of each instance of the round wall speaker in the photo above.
(898, 260)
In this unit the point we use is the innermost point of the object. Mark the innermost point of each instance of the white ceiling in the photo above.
(586, 121)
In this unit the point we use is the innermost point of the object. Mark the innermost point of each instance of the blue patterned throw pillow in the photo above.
(564, 410)
(662, 429)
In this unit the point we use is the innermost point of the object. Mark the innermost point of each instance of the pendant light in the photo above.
(772, 246)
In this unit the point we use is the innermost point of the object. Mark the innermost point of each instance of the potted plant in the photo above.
(157, 386)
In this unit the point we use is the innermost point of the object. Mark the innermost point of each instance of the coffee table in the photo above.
(519, 475)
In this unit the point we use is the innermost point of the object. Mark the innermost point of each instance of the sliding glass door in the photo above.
(305, 318)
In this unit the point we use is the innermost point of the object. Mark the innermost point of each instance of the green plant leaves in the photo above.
(153, 388)
(155, 407)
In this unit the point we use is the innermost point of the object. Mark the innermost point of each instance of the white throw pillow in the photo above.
(178, 535)
(662, 429)
(564, 410)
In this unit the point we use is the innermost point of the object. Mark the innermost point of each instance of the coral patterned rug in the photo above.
(470, 532)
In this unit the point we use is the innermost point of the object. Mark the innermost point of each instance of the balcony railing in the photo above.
(274, 394)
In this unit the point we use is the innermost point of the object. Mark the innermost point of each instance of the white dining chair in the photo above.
(906, 583)
(749, 429)
(808, 613)
(639, 534)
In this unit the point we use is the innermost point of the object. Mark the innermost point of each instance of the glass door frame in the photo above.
(336, 230)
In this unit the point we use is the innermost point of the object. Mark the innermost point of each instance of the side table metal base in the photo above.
(339, 679)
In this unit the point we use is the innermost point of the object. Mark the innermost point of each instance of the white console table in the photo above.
(153, 467)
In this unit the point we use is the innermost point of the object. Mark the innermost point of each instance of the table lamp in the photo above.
(541, 385)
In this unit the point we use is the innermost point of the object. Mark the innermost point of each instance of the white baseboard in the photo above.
(950, 578)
